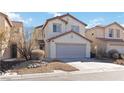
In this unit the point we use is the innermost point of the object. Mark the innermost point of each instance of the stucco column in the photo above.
(52, 50)
(88, 49)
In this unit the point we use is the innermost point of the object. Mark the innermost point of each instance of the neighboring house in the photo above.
(106, 38)
(64, 38)
(16, 39)
(14, 36)
(37, 37)
(5, 25)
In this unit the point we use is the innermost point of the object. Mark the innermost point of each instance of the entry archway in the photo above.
(14, 51)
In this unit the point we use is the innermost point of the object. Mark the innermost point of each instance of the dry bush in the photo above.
(25, 49)
(42, 69)
(61, 66)
(50, 67)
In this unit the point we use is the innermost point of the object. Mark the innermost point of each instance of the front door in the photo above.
(14, 50)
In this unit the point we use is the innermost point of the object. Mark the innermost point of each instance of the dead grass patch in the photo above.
(50, 67)
(61, 66)
(119, 61)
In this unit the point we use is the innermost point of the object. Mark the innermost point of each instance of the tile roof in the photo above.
(40, 26)
(60, 18)
(7, 18)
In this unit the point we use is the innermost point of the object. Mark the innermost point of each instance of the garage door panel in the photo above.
(70, 50)
(120, 49)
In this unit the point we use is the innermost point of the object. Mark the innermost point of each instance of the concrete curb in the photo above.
(29, 76)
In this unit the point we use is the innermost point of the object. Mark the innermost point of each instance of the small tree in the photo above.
(25, 48)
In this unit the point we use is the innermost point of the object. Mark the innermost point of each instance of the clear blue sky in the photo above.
(90, 18)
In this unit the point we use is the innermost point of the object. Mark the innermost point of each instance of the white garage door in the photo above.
(70, 50)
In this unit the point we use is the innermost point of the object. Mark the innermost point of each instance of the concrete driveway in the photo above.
(89, 67)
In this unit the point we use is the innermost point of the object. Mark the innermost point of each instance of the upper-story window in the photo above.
(57, 27)
(118, 33)
(111, 32)
(75, 28)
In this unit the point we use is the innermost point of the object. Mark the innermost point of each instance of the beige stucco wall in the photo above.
(67, 39)
(17, 35)
(91, 34)
(65, 27)
(5, 26)
(114, 26)
(98, 32)
(49, 28)
(37, 35)
(71, 21)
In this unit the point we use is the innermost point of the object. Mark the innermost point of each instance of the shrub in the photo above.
(122, 56)
(101, 54)
(115, 55)
(112, 52)
(39, 54)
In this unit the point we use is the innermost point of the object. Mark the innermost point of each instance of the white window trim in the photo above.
(75, 26)
(118, 34)
(112, 33)
(59, 25)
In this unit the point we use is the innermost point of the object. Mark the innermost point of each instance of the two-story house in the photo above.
(13, 35)
(64, 38)
(106, 38)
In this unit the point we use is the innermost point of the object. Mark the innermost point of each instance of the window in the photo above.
(92, 34)
(110, 32)
(41, 47)
(41, 44)
(75, 28)
(118, 33)
(56, 27)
